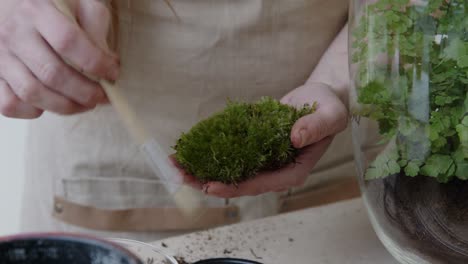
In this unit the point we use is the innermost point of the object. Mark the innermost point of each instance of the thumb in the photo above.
(94, 18)
(330, 118)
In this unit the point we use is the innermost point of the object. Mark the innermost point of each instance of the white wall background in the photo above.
(12, 135)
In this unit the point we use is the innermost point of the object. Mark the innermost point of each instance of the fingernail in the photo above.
(302, 137)
(113, 74)
(206, 188)
(104, 100)
(99, 95)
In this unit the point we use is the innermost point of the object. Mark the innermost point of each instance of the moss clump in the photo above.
(240, 141)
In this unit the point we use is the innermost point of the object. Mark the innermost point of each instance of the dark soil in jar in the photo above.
(422, 214)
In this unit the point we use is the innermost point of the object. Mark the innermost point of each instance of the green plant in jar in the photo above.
(416, 89)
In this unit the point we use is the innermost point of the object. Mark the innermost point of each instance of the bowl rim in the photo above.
(85, 238)
(237, 261)
(147, 245)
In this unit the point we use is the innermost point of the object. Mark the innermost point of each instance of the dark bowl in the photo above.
(226, 261)
(62, 249)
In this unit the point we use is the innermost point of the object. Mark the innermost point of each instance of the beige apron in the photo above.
(86, 170)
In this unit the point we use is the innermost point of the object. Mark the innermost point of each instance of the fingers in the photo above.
(72, 43)
(326, 121)
(30, 90)
(293, 175)
(188, 179)
(96, 29)
(11, 105)
(330, 117)
(53, 73)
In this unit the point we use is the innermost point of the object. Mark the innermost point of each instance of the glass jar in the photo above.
(409, 105)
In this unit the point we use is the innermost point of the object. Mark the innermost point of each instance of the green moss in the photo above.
(240, 141)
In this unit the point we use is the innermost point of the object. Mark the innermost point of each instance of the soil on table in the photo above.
(422, 214)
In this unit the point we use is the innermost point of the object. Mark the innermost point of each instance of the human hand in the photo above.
(36, 40)
(312, 133)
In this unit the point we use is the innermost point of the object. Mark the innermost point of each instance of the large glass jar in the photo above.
(409, 66)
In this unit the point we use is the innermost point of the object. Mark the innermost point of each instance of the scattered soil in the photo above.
(254, 254)
(423, 215)
(244, 242)
(181, 260)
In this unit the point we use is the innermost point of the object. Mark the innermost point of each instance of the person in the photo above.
(176, 62)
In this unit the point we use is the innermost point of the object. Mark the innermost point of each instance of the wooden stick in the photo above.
(187, 199)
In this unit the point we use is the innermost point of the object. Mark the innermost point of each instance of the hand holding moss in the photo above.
(288, 144)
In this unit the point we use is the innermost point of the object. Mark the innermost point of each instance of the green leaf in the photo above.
(426, 24)
(413, 167)
(457, 50)
(451, 170)
(444, 100)
(466, 100)
(430, 170)
(437, 165)
(385, 164)
(393, 167)
(408, 127)
(463, 61)
(373, 93)
(422, 100)
(462, 170)
(465, 121)
(402, 163)
(374, 173)
(462, 131)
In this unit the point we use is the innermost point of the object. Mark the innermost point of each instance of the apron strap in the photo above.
(141, 219)
(335, 191)
(171, 219)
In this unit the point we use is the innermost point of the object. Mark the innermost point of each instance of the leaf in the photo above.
(413, 167)
(402, 163)
(385, 164)
(465, 121)
(462, 170)
(420, 98)
(437, 165)
(407, 126)
(463, 61)
(374, 173)
(444, 100)
(393, 167)
(457, 50)
(466, 100)
(373, 93)
(462, 131)
(426, 24)
(451, 170)
(430, 170)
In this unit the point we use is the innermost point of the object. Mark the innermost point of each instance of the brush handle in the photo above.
(125, 112)
(118, 101)
(187, 199)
